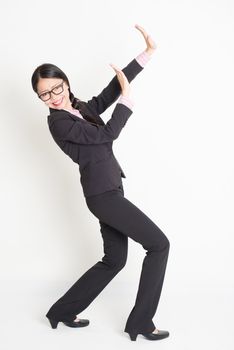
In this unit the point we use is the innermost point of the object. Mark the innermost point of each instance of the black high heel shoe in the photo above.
(75, 324)
(151, 336)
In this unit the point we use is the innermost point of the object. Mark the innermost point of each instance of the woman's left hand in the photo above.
(151, 46)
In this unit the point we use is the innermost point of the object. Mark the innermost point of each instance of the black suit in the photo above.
(90, 145)
(89, 142)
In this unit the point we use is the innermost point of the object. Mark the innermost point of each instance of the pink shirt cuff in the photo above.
(143, 58)
(126, 101)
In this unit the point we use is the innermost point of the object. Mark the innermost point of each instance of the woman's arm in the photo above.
(112, 91)
(64, 128)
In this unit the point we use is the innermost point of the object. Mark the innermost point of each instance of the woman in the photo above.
(77, 128)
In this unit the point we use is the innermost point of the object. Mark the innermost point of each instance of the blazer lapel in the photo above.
(86, 113)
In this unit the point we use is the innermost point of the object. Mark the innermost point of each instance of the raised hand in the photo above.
(150, 44)
(125, 86)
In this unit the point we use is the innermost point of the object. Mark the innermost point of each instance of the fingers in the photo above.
(148, 39)
(142, 30)
(118, 70)
(122, 80)
(114, 66)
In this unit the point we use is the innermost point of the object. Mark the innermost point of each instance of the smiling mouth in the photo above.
(58, 102)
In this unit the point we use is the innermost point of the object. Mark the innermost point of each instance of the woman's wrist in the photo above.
(149, 51)
(125, 93)
(126, 100)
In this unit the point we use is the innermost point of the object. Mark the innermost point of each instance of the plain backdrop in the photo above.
(176, 151)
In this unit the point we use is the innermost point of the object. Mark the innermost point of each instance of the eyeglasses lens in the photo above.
(56, 90)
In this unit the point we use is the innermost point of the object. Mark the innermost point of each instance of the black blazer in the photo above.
(88, 142)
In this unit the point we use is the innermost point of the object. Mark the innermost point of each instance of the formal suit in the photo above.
(89, 143)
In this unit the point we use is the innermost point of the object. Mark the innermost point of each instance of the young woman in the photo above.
(77, 128)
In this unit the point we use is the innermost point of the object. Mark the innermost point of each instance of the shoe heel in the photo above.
(133, 336)
(53, 323)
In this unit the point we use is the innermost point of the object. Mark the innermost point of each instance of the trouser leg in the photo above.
(93, 281)
(118, 212)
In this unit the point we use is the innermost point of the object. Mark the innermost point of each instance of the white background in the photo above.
(176, 151)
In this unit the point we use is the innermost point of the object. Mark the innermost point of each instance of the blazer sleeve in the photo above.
(64, 128)
(112, 91)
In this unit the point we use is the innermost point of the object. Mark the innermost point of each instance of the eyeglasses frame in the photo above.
(51, 91)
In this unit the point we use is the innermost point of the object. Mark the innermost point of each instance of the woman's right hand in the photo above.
(124, 83)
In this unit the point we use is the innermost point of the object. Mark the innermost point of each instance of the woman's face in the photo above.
(57, 100)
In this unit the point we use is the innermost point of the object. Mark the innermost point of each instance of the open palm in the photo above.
(150, 44)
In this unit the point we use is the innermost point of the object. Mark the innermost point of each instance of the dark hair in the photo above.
(49, 70)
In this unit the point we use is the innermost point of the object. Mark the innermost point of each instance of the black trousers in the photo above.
(120, 219)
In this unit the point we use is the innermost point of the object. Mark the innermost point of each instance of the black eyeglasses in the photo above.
(45, 96)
